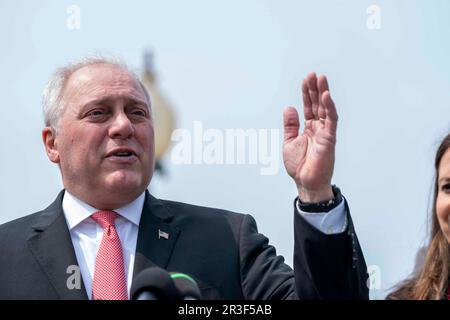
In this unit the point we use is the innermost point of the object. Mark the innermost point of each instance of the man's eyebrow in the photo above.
(110, 99)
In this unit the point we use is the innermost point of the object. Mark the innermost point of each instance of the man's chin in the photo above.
(125, 183)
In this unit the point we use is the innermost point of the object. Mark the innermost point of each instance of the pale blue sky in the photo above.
(237, 64)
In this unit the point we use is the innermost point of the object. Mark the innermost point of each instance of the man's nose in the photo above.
(121, 127)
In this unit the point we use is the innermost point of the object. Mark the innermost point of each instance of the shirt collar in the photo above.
(76, 210)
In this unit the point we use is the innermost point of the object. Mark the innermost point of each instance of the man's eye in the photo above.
(139, 112)
(95, 113)
(446, 187)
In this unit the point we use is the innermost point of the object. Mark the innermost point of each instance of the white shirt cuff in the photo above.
(331, 222)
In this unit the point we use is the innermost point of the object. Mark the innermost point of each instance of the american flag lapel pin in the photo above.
(162, 234)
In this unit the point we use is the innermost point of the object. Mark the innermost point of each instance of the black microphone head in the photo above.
(155, 281)
(186, 285)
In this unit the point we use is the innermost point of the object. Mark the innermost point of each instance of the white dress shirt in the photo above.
(331, 222)
(87, 235)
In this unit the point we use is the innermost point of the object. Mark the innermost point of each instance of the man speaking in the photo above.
(106, 225)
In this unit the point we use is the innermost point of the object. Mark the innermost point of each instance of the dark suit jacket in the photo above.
(222, 250)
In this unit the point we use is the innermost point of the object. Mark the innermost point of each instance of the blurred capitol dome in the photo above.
(162, 111)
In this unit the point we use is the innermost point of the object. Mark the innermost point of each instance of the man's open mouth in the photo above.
(121, 152)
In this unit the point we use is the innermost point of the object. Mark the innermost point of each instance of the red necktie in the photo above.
(109, 276)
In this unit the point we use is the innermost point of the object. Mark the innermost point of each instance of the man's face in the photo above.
(443, 196)
(105, 140)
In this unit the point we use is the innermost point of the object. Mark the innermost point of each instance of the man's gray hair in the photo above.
(52, 99)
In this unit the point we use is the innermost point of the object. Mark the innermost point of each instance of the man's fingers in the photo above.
(291, 123)
(331, 114)
(317, 102)
(307, 104)
(322, 85)
(321, 111)
(313, 92)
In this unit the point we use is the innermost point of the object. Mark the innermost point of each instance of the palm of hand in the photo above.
(309, 157)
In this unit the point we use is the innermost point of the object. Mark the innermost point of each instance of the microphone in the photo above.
(154, 284)
(186, 286)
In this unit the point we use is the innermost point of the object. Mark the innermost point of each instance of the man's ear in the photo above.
(49, 138)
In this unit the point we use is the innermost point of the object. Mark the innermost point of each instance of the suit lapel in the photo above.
(52, 248)
(157, 235)
(51, 244)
